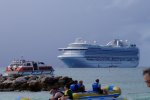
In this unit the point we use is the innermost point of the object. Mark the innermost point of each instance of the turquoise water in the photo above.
(129, 79)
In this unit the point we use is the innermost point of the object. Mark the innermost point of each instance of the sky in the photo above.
(35, 29)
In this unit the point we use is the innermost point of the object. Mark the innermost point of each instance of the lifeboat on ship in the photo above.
(24, 67)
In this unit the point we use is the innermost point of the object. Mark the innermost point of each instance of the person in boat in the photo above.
(97, 87)
(146, 74)
(81, 87)
(74, 87)
(56, 93)
(68, 94)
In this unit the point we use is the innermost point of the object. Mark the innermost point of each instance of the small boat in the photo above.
(112, 92)
(24, 67)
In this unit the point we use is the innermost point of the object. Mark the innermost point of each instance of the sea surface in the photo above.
(130, 80)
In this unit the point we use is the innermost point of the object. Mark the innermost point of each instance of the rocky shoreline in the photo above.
(32, 82)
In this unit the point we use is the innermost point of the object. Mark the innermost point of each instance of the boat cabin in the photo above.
(29, 67)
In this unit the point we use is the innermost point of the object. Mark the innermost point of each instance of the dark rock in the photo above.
(20, 80)
(32, 83)
(32, 77)
(48, 80)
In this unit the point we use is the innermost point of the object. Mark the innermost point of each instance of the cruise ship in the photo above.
(116, 53)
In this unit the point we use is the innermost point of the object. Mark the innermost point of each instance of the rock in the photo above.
(7, 81)
(24, 86)
(32, 77)
(20, 80)
(34, 85)
(2, 79)
(7, 84)
(47, 80)
(67, 80)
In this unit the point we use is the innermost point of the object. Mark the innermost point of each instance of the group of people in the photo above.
(68, 91)
(79, 87)
(74, 88)
(59, 95)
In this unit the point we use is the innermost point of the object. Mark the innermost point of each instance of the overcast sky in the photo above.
(35, 29)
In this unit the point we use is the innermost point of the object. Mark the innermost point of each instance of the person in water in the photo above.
(81, 87)
(97, 87)
(56, 93)
(68, 94)
(146, 74)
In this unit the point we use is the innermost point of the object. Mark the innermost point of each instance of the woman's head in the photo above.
(146, 74)
(66, 87)
(81, 82)
(53, 90)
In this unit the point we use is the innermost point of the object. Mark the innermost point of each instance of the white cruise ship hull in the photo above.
(82, 62)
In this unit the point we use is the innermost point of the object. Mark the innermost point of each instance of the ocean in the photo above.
(130, 80)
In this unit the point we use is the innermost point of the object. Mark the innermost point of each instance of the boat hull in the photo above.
(11, 73)
(93, 95)
(112, 91)
(82, 62)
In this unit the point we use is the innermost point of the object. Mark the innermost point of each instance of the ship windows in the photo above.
(28, 64)
(44, 68)
(27, 68)
(112, 58)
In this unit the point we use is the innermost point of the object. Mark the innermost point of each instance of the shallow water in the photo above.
(129, 79)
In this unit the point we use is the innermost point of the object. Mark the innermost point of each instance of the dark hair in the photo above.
(67, 86)
(97, 80)
(56, 88)
(146, 71)
(53, 90)
(75, 82)
(80, 81)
